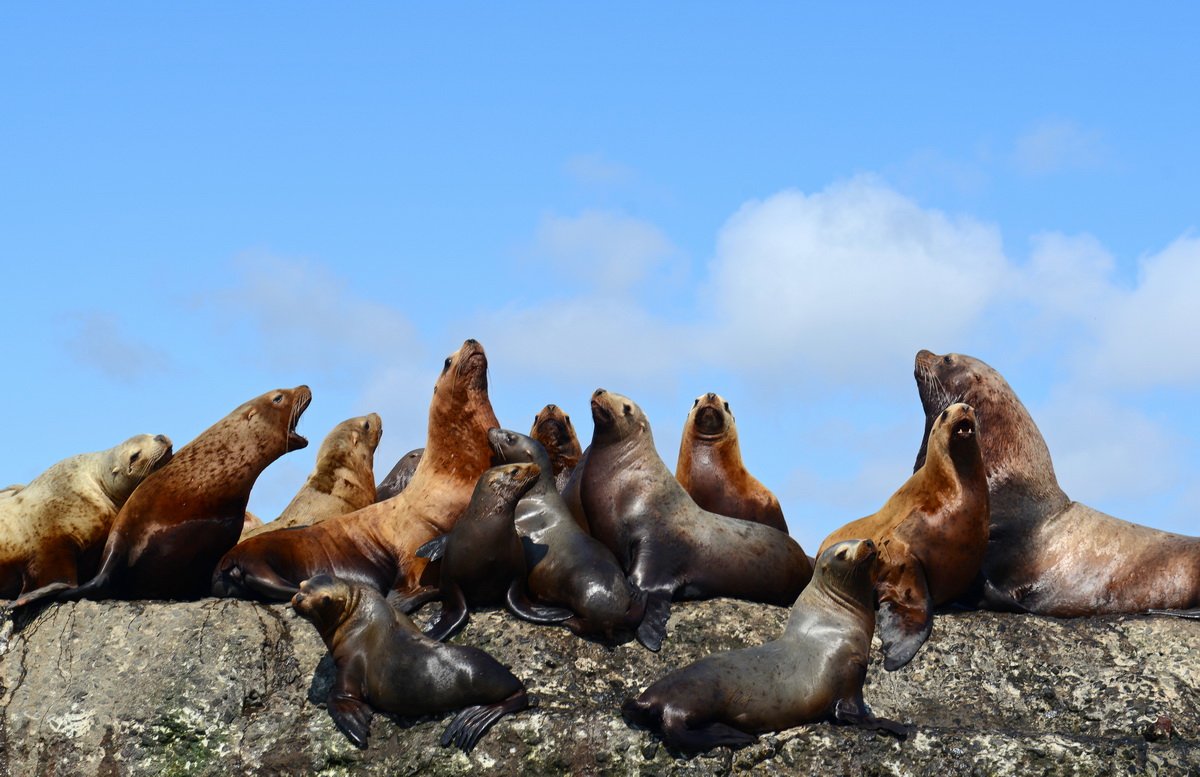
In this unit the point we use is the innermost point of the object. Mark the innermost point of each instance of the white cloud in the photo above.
(99, 341)
(608, 251)
(1056, 145)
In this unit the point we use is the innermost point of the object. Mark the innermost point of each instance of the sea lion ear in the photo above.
(355, 437)
(116, 470)
(251, 413)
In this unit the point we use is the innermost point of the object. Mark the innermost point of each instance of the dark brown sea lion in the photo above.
(710, 467)
(375, 545)
(53, 530)
(171, 532)
(385, 663)
(813, 672)
(483, 561)
(400, 476)
(342, 481)
(667, 545)
(1047, 554)
(553, 429)
(931, 535)
(571, 568)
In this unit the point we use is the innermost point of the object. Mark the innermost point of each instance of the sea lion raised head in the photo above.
(617, 417)
(552, 427)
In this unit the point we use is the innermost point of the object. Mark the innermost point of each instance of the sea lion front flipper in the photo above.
(855, 713)
(352, 717)
(905, 617)
(473, 722)
(453, 617)
(653, 629)
(519, 603)
(1193, 614)
(434, 549)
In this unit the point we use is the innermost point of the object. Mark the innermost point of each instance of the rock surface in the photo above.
(226, 687)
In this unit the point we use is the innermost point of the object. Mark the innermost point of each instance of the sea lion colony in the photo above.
(599, 541)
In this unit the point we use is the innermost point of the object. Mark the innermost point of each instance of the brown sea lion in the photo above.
(385, 663)
(171, 532)
(52, 530)
(710, 467)
(343, 480)
(1047, 554)
(570, 568)
(552, 427)
(483, 562)
(400, 476)
(813, 672)
(931, 535)
(668, 545)
(375, 545)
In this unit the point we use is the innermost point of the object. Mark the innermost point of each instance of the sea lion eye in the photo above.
(366, 426)
(841, 553)
(946, 359)
(568, 418)
(628, 410)
(695, 402)
(278, 398)
(135, 456)
(726, 407)
(446, 366)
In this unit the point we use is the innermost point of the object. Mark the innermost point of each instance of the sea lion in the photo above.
(813, 672)
(552, 427)
(385, 663)
(52, 530)
(1047, 554)
(931, 535)
(343, 480)
(400, 476)
(252, 522)
(710, 467)
(483, 562)
(570, 568)
(667, 544)
(166, 540)
(376, 545)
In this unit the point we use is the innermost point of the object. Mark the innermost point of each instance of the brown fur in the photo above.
(553, 429)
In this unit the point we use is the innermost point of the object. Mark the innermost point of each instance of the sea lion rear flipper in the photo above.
(453, 617)
(352, 716)
(433, 549)
(905, 617)
(1193, 614)
(409, 601)
(518, 602)
(697, 740)
(653, 629)
(852, 713)
(473, 722)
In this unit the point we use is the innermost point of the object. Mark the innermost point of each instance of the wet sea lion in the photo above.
(1047, 554)
(400, 476)
(166, 540)
(52, 530)
(813, 672)
(385, 663)
(667, 544)
(375, 545)
(342, 481)
(570, 568)
(552, 427)
(710, 467)
(931, 535)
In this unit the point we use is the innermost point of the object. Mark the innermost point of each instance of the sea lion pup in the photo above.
(342, 481)
(813, 672)
(166, 540)
(668, 545)
(710, 467)
(52, 530)
(385, 663)
(931, 535)
(1047, 554)
(376, 545)
(483, 562)
(571, 568)
(553, 429)
(400, 476)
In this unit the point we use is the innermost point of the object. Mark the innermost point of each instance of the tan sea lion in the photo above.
(668, 545)
(552, 427)
(400, 475)
(932, 535)
(483, 562)
(385, 663)
(376, 545)
(710, 467)
(813, 672)
(1047, 554)
(53, 530)
(252, 522)
(342, 481)
(166, 540)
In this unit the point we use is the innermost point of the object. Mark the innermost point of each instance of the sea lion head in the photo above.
(513, 448)
(464, 373)
(278, 410)
(617, 418)
(552, 427)
(954, 429)
(326, 601)
(130, 462)
(953, 377)
(710, 419)
(847, 570)
(509, 482)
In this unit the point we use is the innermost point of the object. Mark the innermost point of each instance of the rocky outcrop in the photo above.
(226, 687)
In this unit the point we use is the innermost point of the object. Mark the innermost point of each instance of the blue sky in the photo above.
(199, 203)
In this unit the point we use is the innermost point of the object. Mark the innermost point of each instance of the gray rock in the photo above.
(227, 687)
